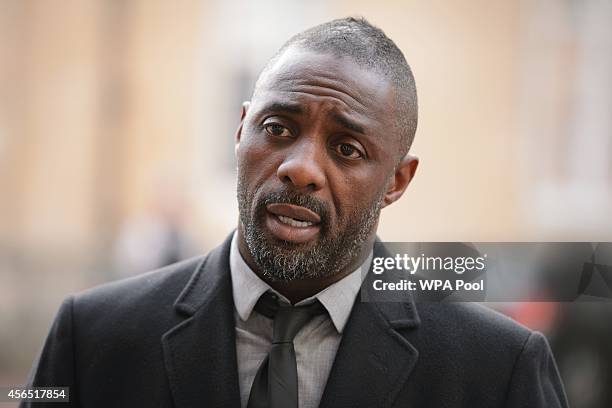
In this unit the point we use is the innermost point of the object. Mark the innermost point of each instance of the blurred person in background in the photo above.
(155, 238)
(270, 317)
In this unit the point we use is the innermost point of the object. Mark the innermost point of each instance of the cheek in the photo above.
(255, 161)
(354, 194)
(348, 195)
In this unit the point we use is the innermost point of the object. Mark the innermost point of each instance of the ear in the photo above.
(243, 112)
(400, 179)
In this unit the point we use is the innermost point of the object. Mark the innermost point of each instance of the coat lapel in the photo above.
(200, 352)
(374, 359)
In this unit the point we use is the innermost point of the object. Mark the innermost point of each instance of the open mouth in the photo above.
(292, 223)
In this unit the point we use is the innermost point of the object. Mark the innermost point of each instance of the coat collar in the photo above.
(200, 352)
(373, 361)
(210, 277)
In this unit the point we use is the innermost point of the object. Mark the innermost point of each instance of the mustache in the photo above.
(287, 196)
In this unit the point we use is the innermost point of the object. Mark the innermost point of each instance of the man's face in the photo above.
(316, 152)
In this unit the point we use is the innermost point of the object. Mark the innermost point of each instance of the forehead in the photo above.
(307, 77)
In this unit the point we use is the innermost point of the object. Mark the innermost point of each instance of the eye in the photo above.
(275, 129)
(349, 151)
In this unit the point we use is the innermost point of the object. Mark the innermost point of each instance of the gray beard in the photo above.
(283, 261)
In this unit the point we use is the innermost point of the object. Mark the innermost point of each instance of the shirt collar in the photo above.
(337, 298)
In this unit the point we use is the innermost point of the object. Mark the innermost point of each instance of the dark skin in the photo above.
(323, 126)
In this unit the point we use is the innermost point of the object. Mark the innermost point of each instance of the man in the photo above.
(321, 148)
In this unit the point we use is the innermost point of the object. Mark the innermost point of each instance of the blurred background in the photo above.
(116, 142)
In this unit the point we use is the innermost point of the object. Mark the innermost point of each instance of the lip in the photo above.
(291, 233)
(294, 211)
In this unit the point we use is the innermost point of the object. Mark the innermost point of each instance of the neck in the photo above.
(299, 289)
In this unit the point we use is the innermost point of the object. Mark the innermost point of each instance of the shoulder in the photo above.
(160, 285)
(472, 320)
(475, 337)
(467, 349)
(470, 345)
(147, 299)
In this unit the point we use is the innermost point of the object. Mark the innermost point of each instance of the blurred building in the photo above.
(101, 102)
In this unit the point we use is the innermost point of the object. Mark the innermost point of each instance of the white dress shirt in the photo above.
(316, 343)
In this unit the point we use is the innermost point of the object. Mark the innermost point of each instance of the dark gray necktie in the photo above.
(275, 384)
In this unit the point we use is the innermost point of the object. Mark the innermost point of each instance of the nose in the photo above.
(303, 167)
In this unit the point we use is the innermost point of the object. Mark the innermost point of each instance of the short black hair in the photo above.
(370, 48)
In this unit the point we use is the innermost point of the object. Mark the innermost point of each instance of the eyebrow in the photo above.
(347, 123)
(298, 109)
(287, 107)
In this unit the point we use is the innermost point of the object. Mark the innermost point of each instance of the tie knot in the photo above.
(288, 320)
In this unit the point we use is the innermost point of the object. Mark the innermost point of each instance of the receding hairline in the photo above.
(277, 60)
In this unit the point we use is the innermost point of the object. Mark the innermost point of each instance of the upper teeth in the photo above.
(293, 222)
